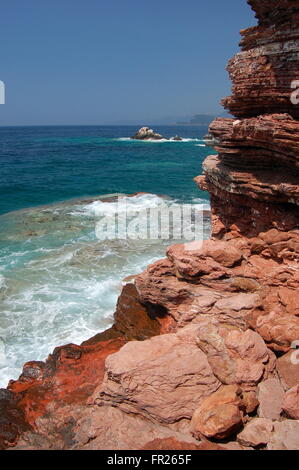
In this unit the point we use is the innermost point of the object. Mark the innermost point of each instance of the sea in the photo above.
(59, 281)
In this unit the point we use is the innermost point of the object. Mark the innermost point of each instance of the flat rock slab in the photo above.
(163, 378)
(270, 395)
(285, 436)
(256, 433)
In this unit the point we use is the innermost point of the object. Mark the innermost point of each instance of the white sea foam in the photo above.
(129, 205)
(183, 140)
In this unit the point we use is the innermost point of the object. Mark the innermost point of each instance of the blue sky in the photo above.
(116, 61)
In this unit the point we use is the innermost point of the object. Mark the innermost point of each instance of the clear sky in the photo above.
(116, 61)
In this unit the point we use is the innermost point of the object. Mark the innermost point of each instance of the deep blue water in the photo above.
(41, 165)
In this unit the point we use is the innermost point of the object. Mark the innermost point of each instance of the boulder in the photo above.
(235, 356)
(219, 415)
(256, 433)
(250, 400)
(239, 302)
(290, 403)
(199, 258)
(278, 328)
(163, 378)
(288, 370)
(285, 436)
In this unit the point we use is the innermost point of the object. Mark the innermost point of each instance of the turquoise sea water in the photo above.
(40, 165)
(59, 282)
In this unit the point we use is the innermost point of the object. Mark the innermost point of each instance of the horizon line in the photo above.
(102, 125)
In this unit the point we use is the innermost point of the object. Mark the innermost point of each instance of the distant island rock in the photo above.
(145, 133)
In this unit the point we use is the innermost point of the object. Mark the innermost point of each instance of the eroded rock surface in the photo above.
(163, 378)
(257, 433)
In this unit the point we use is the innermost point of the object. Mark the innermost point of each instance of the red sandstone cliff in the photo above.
(228, 311)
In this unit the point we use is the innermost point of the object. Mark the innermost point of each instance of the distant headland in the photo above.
(201, 119)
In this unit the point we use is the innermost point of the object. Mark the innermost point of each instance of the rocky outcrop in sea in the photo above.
(202, 351)
(145, 133)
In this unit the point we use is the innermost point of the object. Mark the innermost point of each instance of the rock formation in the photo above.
(145, 133)
(204, 349)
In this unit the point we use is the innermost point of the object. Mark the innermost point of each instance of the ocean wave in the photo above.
(2, 282)
(130, 205)
(154, 141)
(127, 204)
